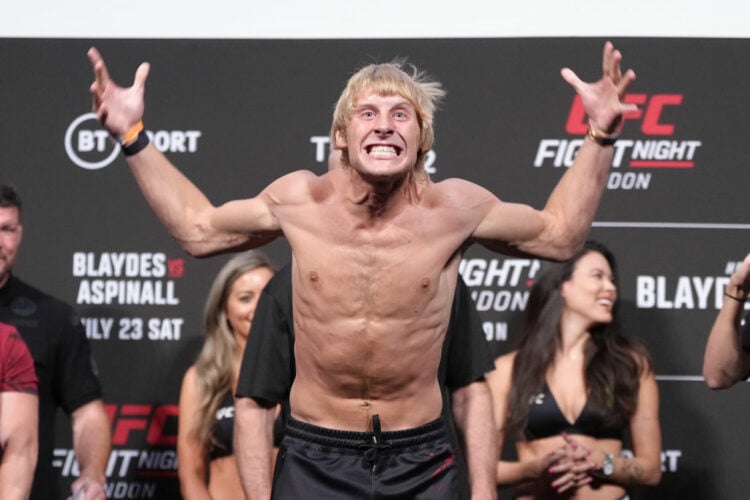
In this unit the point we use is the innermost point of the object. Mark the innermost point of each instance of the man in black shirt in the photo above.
(268, 370)
(63, 364)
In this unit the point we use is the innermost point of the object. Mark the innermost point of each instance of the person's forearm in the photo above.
(92, 451)
(634, 470)
(17, 469)
(575, 200)
(725, 362)
(19, 440)
(472, 410)
(175, 200)
(509, 473)
(193, 488)
(253, 447)
(92, 440)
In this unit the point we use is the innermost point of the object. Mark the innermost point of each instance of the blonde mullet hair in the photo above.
(393, 78)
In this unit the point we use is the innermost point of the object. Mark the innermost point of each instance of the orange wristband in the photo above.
(132, 134)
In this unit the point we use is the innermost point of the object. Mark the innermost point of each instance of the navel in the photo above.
(314, 276)
(424, 282)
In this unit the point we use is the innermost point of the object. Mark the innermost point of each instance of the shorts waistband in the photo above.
(353, 439)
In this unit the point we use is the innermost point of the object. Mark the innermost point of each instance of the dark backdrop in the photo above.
(234, 115)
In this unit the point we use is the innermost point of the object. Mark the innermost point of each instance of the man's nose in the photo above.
(384, 126)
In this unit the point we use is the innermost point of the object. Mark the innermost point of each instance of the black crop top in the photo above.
(224, 429)
(546, 420)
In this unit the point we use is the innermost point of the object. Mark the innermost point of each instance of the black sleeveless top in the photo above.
(546, 420)
(224, 429)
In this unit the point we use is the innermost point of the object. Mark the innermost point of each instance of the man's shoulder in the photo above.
(504, 363)
(298, 179)
(455, 185)
(455, 191)
(6, 331)
(26, 300)
(23, 289)
(501, 378)
(299, 186)
(16, 286)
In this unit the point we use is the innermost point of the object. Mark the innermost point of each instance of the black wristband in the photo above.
(599, 138)
(136, 146)
(738, 299)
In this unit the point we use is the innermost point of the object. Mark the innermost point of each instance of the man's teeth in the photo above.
(389, 150)
(605, 302)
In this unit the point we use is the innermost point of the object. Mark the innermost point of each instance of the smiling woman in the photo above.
(206, 421)
(572, 387)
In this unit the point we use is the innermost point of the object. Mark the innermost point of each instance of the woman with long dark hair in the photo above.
(566, 395)
(207, 466)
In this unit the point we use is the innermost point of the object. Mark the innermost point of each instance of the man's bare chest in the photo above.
(415, 228)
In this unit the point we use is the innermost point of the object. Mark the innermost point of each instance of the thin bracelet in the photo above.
(735, 298)
(600, 138)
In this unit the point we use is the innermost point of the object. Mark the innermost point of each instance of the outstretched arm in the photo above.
(725, 362)
(183, 209)
(560, 229)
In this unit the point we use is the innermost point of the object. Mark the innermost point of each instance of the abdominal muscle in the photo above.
(352, 364)
(371, 301)
(343, 384)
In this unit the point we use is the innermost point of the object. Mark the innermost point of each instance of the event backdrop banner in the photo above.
(235, 114)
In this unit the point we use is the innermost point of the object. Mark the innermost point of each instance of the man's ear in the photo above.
(340, 139)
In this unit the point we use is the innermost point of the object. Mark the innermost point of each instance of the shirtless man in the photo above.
(375, 253)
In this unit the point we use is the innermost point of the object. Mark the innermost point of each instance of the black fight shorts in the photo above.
(319, 463)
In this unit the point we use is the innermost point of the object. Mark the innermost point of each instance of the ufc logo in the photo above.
(138, 417)
(649, 113)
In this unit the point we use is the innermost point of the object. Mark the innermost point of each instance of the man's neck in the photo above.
(381, 196)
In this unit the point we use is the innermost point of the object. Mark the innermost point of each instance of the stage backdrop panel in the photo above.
(236, 114)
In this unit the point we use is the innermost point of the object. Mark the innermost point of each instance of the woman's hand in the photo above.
(575, 465)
